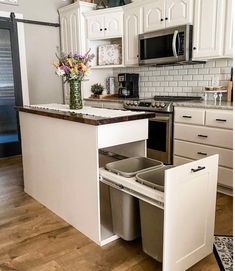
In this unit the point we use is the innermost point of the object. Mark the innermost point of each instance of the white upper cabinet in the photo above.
(69, 21)
(179, 12)
(228, 45)
(95, 27)
(114, 24)
(72, 28)
(104, 25)
(132, 28)
(160, 14)
(154, 15)
(208, 28)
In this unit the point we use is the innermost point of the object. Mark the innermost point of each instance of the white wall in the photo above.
(41, 44)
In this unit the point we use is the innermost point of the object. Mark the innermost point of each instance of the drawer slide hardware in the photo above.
(197, 169)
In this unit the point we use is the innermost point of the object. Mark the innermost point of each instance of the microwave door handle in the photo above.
(174, 43)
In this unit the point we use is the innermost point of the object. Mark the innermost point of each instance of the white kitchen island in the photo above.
(61, 159)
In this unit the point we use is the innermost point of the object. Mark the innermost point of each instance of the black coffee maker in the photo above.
(128, 85)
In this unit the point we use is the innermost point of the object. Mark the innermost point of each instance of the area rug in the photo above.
(223, 250)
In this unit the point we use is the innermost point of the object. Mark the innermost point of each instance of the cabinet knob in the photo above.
(101, 29)
(137, 55)
(162, 20)
(105, 29)
(166, 18)
(194, 48)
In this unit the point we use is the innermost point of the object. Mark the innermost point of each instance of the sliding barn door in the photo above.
(10, 89)
(189, 213)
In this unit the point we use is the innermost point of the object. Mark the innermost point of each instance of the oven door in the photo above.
(166, 46)
(160, 140)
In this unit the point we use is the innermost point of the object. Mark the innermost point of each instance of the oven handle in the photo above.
(174, 43)
(160, 118)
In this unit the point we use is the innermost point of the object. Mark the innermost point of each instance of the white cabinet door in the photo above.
(189, 213)
(69, 20)
(228, 42)
(113, 24)
(179, 12)
(208, 32)
(133, 27)
(95, 27)
(154, 15)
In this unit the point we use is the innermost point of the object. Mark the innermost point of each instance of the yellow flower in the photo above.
(70, 62)
(56, 65)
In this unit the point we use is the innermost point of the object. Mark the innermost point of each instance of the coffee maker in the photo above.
(128, 85)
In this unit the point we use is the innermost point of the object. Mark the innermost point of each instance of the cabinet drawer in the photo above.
(219, 118)
(225, 175)
(190, 115)
(198, 151)
(204, 135)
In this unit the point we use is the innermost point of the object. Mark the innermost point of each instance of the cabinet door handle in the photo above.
(222, 120)
(101, 29)
(105, 29)
(202, 153)
(194, 48)
(205, 136)
(162, 20)
(187, 117)
(197, 169)
(166, 18)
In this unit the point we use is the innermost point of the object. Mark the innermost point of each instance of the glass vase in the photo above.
(75, 101)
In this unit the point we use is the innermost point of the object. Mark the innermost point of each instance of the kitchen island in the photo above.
(61, 161)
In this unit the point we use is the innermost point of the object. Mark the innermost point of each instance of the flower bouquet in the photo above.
(73, 68)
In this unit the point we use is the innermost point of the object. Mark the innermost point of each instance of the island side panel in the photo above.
(60, 160)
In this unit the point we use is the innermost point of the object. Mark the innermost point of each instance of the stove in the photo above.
(160, 137)
(158, 103)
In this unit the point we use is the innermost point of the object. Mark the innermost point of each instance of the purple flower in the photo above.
(79, 56)
(65, 69)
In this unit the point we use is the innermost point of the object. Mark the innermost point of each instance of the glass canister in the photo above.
(110, 85)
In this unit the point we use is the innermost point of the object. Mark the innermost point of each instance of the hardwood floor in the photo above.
(33, 238)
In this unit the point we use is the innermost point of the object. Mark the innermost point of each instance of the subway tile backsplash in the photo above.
(186, 80)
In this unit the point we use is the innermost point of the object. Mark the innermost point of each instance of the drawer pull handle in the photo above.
(205, 136)
(202, 153)
(222, 120)
(187, 117)
(197, 169)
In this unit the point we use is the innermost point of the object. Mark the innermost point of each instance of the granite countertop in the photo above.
(87, 115)
(113, 99)
(206, 105)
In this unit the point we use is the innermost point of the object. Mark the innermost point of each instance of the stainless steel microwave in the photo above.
(171, 45)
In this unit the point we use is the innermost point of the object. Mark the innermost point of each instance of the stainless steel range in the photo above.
(160, 139)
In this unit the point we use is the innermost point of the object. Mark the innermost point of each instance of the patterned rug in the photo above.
(223, 250)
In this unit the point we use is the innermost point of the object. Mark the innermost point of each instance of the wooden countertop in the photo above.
(82, 118)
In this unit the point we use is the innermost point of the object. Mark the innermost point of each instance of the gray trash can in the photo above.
(125, 208)
(125, 215)
(152, 217)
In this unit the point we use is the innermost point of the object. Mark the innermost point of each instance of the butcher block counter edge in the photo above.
(82, 118)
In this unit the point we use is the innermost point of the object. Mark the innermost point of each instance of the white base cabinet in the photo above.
(202, 132)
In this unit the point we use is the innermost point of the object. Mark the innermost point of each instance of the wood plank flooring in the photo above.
(33, 238)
